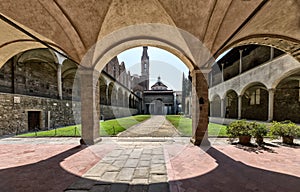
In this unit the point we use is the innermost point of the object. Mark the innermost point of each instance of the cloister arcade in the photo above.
(267, 91)
(52, 91)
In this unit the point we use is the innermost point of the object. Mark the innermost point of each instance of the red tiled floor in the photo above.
(31, 167)
(235, 168)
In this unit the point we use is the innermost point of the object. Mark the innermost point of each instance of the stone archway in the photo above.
(103, 91)
(255, 102)
(216, 106)
(231, 110)
(287, 97)
(199, 110)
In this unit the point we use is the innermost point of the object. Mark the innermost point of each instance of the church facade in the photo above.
(158, 100)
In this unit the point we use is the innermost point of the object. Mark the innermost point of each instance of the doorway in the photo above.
(34, 120)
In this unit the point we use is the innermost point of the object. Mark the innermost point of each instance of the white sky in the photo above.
(162, 63)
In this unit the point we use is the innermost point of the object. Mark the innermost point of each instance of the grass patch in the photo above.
(107, 128)
(115, 126)
(184, 125)
(69, 131)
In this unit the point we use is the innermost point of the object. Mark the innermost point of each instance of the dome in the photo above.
(159, 85)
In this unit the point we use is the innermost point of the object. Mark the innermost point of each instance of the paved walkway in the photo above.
(156, 126)
(145, 164)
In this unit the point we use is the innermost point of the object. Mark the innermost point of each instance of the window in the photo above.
(255, 97)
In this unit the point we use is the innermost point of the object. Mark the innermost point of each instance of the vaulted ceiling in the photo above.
(75, 26)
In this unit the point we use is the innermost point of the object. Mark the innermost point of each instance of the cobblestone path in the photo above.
(156, 126)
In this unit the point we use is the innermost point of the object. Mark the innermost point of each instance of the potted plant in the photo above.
(240, 129)
(285, 129)
(258, 131)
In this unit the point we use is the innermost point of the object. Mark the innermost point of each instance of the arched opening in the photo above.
(176, 46)
(103, 91)
(255, 102)
(216, 106)
(69, 69)
(110, 93)
(120, 97)
(231, 110)
(125, 100)
(130, 101)
(41, 91)
(287, 98)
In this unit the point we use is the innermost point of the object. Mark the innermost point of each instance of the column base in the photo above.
(89, 141)
(200, 141)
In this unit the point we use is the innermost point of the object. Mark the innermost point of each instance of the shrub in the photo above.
(239, 128)
(258, 129)
(284, 129)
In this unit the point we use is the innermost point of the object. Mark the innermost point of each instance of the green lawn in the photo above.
(107, 128)
(115, 126)
(184, 125)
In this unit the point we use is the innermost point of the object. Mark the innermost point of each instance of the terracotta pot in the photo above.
(287, 139)
(259, 140)
(244, 140)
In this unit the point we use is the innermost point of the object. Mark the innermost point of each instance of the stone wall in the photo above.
(14, 111)
(286, 101)
(111, 112)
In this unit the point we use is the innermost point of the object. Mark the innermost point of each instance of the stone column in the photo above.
(199, 108)
(211, 109)
(89, 101)
(222, 72)
(271, 53)
(59, 81)
(240, 106)
(223, 108)
(210, 79)
(271, 104)
(241, 62)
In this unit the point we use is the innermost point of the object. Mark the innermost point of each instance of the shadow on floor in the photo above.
(234, 176)
(230, 175)
(46, 175)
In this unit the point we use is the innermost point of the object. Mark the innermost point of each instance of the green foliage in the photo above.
(258, 129)
(239, 128)
(284, 128)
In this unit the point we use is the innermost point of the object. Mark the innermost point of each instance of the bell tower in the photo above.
(145, 69)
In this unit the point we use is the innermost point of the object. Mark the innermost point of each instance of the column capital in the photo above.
(271, 90)
(197, 71)
(88, 71)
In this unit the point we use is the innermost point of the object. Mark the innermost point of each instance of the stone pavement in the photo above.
(156, 126)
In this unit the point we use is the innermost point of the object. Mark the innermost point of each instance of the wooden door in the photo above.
(33, 120)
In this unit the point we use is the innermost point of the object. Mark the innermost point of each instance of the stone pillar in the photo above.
(271, 104)
(199, 109)
(271, 53)
(59, 81)
(241, 62)
(222, 72)
(211, 109)
(210, 79)
(89, 102)
(223, 108)
(240, 97)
